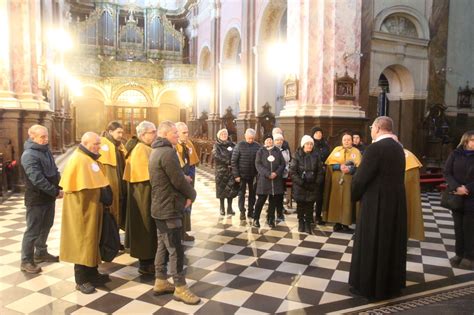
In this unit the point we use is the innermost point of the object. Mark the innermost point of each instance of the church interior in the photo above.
(73, 66)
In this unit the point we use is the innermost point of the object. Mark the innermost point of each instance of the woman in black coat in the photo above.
(226, 187)
(307, 176)
(459, 174)
(270, 165)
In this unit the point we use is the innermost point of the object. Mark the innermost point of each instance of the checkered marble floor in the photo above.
(234, 268)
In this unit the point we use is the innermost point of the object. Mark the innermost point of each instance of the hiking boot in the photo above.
(454, 261)
(188, 238)
(162, 287)
(86, 288)
(47, 257)
(242, 215)
(30, 267)
(184, 295)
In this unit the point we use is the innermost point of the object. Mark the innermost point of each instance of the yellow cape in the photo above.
(340, 155)
(411, 161)
(136, 166)
(193, 157)
(107, 152)
(82, 172)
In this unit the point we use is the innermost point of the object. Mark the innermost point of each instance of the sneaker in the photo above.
(184, 295)
(146, 270)
(47, 257)
(188, 238)
(162, 287)
(86, 288)
(454, 261)
(30, 267)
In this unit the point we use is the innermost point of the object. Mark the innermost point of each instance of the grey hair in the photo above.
(180, 125)
(86, 137)
(250, 132)
(144, 126)
(384, 122)
(165, 127)
(34, 129)
(276, 131)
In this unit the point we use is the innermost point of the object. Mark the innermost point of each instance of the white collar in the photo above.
(384, 136)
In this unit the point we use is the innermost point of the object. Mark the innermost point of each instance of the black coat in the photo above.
(378, 267)
(321, 149)
(169, 188)
(458, 171)
(243, 160)
(42, 175)
(265, 185)
(306, 187)
(226, 187)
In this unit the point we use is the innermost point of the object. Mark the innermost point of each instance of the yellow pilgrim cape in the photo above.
(82, 172)
(107, 152)
(136, 166)
(340, 155)
(193, 157)
(415, 226)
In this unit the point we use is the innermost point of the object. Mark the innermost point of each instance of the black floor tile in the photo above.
(263, 303)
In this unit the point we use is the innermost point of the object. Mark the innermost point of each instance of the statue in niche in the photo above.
(265, 121)
(228, 121)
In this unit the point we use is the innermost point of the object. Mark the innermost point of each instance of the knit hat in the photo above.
(306, 139)
(313, 131)
(278, 136)
(268, 136)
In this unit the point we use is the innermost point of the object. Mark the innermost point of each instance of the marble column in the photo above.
(213, 118)
(7, 99)
(246, 117)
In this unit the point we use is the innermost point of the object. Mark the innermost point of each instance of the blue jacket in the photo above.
(42, 175)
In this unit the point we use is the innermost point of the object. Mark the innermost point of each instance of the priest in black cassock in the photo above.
(378, 267)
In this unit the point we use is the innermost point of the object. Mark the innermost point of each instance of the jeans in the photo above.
(252, 185)
(39, 220)
(464, 235)
(170, 250)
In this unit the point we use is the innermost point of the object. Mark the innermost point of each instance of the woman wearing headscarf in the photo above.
(341, 165)
(226, 186)
(279, 140)
(307, 176)
(270, 165)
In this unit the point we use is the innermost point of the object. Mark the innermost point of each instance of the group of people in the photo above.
(147, 185)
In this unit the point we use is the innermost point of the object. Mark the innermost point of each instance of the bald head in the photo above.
(91, 141)
(38, 134)
(385, 123)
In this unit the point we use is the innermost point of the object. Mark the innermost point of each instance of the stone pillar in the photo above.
(325, 38)
(246, 117)
(213, 118)
(7, 99)
(11, 128)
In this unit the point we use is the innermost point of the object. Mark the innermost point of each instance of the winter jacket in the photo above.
(169, 188)
(307, 175)
(458, 171)
(266, 162)
(226, 187)
(243, 160)
(321, 149)
(42, 175)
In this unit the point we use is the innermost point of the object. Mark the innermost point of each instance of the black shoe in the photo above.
(256, 224)
(307, 228)
(286, 212)
(319, 221)
(347, 229)
(222, 211)
(250, 215)
(86, 288)
(230, 211)
(454, 261)
(99, 279)
(280, 218)
(301, 227)
(146, 270)
(466, 264)
(242, 215)
(45, 258)
(30, 267)
(337, 227)
(271, 223)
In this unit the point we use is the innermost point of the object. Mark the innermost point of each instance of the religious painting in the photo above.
(344, 87)
(465, 97)
(291, 89)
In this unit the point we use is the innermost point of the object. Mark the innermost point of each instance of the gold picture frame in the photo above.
(291, 89)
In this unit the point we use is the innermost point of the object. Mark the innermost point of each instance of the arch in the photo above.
(231, 46)
(410, 13)
(268, 26)
(400, 81)
(169, 105)
(204, 64)
(129, 86)
(96, 88)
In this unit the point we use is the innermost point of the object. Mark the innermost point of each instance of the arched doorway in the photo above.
(171, 107)
(131, 107)
(231, 76)
(89, 111)
(271, 51)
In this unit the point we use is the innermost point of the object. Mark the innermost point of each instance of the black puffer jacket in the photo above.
(226, 187)
(42, 175)
(243, 159)
(265, 167)
(307, 175)
(458, 171)
(169, 188)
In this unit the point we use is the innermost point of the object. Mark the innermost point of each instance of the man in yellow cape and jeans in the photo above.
(337, 204)
(86, 192)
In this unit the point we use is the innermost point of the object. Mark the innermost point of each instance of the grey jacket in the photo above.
(169, 188)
